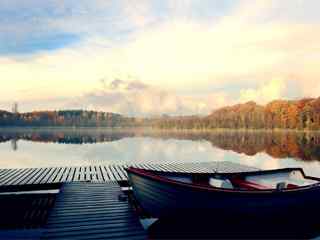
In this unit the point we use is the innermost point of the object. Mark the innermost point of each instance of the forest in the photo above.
(68, 118)
(301, 114)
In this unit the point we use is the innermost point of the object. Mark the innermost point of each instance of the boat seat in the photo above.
(285, 185)
(220, 183)
(242, 183)
(248, 185)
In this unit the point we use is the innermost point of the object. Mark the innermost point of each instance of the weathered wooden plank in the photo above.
(77, 174)
(7, 175)
(101, 173)
(92, 211)
(104, 173)
(146, 166)
(97, 176)
(59, 175)
(116, 173)
(159, 167)
(124, 172)
(71, 175)
(16, 177)
(81, 174)
(92, 174)
(41, 175)
(53, 175)
(179, 168)
(47, 176)
(32, 177)
(120, 172)
(87, 176)
(167, 168)
(3, 172)
(65, 174)
(110, 173)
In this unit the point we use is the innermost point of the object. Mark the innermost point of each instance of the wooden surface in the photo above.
(87, 206)
(105, 173)
(92, 211)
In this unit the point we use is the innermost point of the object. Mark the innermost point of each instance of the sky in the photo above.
(144, 58)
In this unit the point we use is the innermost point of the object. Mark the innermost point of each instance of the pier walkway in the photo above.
(79, 202)
(106, 173)
(92, 211)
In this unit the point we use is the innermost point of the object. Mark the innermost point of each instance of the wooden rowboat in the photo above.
(265, 193)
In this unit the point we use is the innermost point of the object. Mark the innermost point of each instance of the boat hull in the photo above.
(163, 199)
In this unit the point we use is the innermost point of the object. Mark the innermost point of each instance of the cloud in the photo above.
(265, 93)
(160, 57)
(136, 98)
(118, 84)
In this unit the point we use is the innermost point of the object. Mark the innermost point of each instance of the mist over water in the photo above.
(21, 148)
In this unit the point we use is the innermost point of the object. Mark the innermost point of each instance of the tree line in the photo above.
(301, 114)
(67, 118)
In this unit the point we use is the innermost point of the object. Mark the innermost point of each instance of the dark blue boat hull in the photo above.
(163, 199)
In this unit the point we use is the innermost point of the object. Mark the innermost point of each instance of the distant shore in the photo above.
(147, 129)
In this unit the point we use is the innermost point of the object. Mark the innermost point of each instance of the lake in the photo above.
(21, 148)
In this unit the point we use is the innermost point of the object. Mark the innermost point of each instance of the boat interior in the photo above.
(260, 180)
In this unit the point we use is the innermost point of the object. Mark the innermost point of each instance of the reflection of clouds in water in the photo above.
(32, 154)
(260, 160)
(264, 161)
(152, 150)
(127, 150)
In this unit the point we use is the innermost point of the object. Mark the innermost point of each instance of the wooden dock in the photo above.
(92, 211)
(86, 204)
(105, 173)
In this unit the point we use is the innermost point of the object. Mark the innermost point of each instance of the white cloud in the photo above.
(136, 98)
(265, 93)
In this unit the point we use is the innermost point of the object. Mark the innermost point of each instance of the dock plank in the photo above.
(3, 172)
(92, 211)
(77, 174)
(15, 175)
(32, 177)
(16, 178)
(6, 174)
(71, 174)
(65, 174)
(108, 173)
(104, 174)
(81, 178)
(53, 175)
(41, 175)
(47, 176)
(58, 175)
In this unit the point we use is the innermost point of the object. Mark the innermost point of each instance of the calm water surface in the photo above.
(20, 148)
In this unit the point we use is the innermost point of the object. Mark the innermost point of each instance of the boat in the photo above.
(280, 192)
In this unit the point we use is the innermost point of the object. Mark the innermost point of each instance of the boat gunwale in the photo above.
(151, 174)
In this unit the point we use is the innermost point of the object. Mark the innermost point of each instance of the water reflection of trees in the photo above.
(304, 146)
(65, 136)
(278, 144)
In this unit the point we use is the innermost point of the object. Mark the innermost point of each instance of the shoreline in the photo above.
(152, 129)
